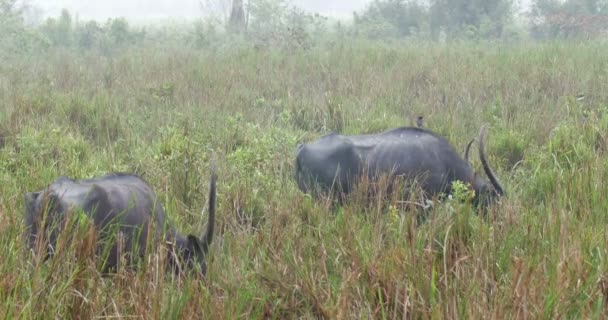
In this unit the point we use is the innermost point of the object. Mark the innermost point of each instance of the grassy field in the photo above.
(165, 113)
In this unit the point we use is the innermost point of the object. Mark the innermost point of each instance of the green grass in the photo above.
(165, 114)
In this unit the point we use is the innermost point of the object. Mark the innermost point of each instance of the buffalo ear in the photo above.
(194, 245)
(50, 201)
(97, 200)
(31, 196)
(29, 199)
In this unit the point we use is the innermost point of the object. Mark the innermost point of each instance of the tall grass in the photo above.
(163, 113)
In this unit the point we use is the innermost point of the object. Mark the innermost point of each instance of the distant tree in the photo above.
(112, 35)
(267, 17)
(89, 34)
(237, 22)
(471, 18)
(15, 37)
(11, 24)
(391, 18)
(9, 8)
(11, 18)
(570, 18)
(204, 34)
(277, 22)
(302, 28)
(59, 31)
(119, 30)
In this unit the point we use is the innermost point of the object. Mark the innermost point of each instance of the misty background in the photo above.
(140, 11)
(34, 25)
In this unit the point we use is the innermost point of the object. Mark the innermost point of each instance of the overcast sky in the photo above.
(150, 10)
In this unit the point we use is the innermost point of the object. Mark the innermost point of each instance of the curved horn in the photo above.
(466, 151)
(486, 166)
(208, 237)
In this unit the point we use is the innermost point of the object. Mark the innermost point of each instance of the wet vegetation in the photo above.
(165, 109)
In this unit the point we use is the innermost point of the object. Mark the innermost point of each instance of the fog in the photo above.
(154, 10)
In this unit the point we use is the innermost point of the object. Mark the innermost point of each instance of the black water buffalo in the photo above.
(121, 207)
(335, 162)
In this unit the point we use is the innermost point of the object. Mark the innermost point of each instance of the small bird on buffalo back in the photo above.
(419, 121)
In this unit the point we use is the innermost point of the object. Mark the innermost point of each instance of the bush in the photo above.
(568, 19)
(276, 23)
(511, 146)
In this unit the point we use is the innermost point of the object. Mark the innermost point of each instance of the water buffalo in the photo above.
(335, 162)
(122, 207)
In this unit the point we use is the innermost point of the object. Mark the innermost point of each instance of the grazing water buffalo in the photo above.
(335, 162)
(120, 206)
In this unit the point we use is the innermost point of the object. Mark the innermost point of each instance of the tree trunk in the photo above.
(237, 23)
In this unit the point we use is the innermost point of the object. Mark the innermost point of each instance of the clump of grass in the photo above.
(95, 120)
(511, 146)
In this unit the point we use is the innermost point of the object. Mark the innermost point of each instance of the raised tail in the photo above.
(208, 237)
